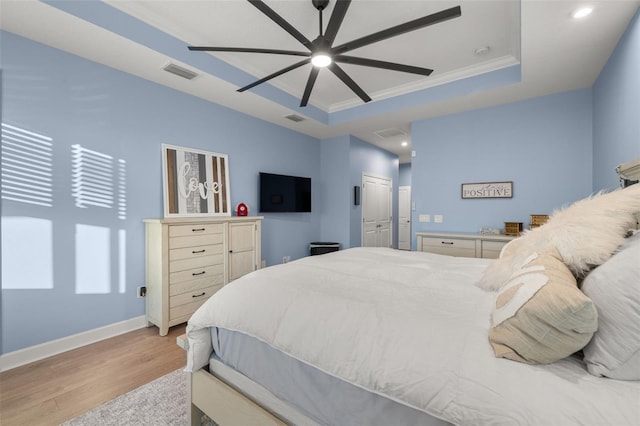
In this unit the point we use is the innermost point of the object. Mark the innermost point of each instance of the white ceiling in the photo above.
(555, 53)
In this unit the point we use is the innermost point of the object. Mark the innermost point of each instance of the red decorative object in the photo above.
(242, 209)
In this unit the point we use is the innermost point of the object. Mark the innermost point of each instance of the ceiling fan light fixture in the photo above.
(321, 52)
(582, 12)
(321, 60)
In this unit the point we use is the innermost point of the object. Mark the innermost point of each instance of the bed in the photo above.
(378, 336)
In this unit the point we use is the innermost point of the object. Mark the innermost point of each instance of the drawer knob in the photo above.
(198, 295)
(198, 251)
(197, 230)
(199, 273)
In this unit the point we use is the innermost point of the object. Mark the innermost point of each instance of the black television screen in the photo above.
(280, 193)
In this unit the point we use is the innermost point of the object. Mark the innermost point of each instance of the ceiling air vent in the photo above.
(294, 117)
(181, 72)
(389, 133)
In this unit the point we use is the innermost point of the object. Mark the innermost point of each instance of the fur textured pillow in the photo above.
(584, 235)
(541, 316)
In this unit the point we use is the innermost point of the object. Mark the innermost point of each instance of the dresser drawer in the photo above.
(193, 285)
(491, 249)
(185, 305)
(194, 274)
(195, 240)
(182, 313)
(450, 246)
(195, 229)
(196, 262)
(194, 252)
(193, 296)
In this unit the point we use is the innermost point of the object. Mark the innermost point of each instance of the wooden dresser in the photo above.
(462, 244)
(189, 259)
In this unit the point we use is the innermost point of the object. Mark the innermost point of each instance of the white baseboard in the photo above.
(44, 350)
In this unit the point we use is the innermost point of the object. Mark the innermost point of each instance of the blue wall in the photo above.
(543, 145)
(74, 101)
(90, 260)
(404, 174)
(336, 193)
(616, 109)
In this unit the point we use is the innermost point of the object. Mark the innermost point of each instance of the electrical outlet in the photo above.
(286, 259)
(142, 291)
(438, 218)
(424, 218)
(263, 264)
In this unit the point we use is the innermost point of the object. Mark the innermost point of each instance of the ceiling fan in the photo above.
(321, 52)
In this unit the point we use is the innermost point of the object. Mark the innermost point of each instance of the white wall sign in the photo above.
(487, 190)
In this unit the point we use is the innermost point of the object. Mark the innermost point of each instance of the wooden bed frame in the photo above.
(221, 402)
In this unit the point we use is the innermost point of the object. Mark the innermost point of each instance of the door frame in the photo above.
(400, 188)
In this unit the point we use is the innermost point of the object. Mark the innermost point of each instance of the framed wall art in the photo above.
(487, 190)
(195, 182)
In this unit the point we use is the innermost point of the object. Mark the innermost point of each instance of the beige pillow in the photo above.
(541, 316)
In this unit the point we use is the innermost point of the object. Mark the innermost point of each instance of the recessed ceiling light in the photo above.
(404, 143)
(582, 12)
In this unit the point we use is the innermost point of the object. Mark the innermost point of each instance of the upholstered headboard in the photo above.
(629, 173)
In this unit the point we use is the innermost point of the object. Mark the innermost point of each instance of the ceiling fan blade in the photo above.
(382, 64)
(310, 82)
(247, 50)
(416, 24)
(339, 10)
(339, 72)
(275, 74)
(281, 22)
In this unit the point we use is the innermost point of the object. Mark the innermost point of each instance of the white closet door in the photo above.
(376, 211)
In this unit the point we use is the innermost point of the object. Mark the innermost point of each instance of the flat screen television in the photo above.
(284, 194)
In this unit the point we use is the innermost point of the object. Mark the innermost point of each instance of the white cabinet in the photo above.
(461, 244)
(242, 249)
(189, 259)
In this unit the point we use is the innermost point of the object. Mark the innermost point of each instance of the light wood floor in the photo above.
(56, 389)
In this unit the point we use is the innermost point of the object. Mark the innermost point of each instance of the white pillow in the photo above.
(614, 288)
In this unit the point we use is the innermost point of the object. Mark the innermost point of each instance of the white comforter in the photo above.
(412, 327)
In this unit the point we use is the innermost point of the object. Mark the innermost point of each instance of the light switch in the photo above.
(438, 218)
(424, 218)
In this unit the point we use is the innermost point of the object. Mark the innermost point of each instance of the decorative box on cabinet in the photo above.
(461, 244)
(189, 259)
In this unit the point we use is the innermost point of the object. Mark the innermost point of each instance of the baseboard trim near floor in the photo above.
(44, 350)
